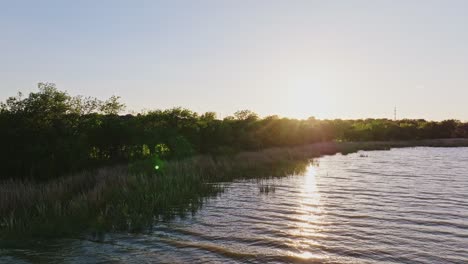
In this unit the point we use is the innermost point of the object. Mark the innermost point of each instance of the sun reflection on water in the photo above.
(309, 215)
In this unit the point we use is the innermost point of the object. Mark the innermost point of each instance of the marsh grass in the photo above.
(116, 198)
(267, 188)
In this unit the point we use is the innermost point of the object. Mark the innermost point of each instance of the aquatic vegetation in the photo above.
(115, 198)
(267, 188)
(130, 199)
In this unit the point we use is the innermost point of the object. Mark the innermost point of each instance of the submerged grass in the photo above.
(116, 198)
(267, 188)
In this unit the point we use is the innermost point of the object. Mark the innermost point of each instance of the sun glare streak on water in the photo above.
(400, 206)
(308, 213)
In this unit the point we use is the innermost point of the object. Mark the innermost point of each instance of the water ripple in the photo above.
(399, 206)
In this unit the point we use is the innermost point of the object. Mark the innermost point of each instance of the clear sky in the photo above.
(329, 59)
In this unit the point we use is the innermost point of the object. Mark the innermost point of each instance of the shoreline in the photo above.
(115, 199)
(330, 148)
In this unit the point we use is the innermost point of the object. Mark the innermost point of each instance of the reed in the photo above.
(116, 198)
(267, 188)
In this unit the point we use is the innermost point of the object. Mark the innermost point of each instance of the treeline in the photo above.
(50, 133)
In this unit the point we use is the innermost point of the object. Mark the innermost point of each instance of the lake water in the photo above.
(401, 206)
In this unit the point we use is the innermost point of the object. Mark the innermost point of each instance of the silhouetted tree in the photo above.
(50, 133)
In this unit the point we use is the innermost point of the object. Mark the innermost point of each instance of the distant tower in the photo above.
(394, 113)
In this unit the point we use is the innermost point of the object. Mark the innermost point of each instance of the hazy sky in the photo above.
(329, 59)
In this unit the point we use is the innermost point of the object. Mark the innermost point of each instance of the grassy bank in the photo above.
(116, 198)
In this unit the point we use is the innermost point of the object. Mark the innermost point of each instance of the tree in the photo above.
(112, 106)
(50, 133)
(245, 115)
(85, 105)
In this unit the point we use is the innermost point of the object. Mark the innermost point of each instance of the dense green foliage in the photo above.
(50, 133)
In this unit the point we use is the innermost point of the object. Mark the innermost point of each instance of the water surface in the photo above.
(400, 206)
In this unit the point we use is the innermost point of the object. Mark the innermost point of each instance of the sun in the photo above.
(307, 96)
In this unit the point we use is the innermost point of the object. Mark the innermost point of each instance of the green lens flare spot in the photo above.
(156, 167)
